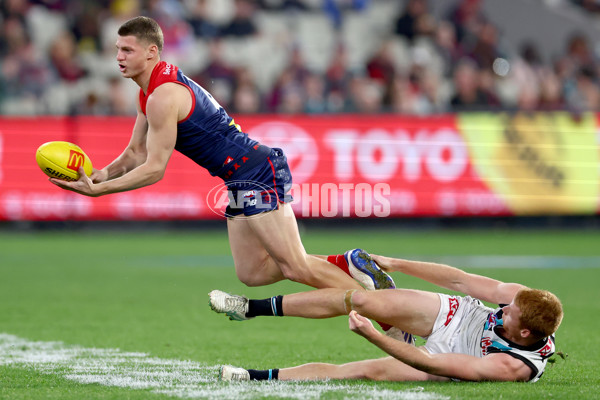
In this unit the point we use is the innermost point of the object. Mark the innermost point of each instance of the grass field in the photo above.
(97, 315)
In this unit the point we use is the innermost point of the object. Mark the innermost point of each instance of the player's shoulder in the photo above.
(168, 93)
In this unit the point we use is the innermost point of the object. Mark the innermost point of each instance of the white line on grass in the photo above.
(185, 379)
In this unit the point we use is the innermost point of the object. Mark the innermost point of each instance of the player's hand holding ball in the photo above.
(61, 160)
(68, 166)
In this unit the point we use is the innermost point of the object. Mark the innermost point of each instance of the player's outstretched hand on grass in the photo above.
(361, 325)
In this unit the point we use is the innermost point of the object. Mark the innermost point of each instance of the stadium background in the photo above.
(481, 117)
(457, 107)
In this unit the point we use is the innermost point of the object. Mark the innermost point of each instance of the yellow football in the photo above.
(61, 160)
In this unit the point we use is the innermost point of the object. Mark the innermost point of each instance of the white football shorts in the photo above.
(458, 326)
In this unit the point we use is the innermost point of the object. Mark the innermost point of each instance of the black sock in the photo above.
(264, 375)
(270, 307)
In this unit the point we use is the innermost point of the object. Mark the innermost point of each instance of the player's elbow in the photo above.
(154, 174)
(157, 176)
(159, 173)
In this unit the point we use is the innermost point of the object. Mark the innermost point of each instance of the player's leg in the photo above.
(262, 196)
(322, 303)
(382, 369)
(276, 233)
(412, 311)
(253, 264)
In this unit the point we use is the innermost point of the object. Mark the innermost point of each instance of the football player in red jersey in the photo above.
(175, 113)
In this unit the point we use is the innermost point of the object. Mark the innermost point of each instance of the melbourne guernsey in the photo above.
(208, 135)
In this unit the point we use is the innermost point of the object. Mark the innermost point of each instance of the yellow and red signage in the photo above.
(343, 166)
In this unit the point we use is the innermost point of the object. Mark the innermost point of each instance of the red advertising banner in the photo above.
(343, 166)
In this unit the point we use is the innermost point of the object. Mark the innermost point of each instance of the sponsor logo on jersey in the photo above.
(453, 305)
(168, 69)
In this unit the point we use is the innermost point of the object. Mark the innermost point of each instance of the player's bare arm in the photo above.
(133, 156)
(163, 110)
(494, 367)
(480, 287)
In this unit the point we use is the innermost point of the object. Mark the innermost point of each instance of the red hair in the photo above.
(541, 311)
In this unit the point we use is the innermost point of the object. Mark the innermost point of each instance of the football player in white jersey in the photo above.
(465, 340)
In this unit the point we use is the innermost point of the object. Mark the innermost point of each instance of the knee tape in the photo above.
(348, 300)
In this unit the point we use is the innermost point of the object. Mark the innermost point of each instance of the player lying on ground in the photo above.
(465, 340)
(176, 113)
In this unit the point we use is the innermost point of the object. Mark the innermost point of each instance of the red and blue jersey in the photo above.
(208, 135)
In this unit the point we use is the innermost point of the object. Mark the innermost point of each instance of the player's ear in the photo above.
(152, 52)
(525, 333)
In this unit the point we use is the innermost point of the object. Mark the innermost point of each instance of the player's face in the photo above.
(511, 315)
(132, 56)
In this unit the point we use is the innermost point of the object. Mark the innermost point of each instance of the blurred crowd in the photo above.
(290, 56)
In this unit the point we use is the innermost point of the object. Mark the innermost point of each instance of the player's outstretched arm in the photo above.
(162, 111)
(162, 116)
(478, 286)
(495, 367)
(133, 156)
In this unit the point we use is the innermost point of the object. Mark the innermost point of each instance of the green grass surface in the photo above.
(147, 292)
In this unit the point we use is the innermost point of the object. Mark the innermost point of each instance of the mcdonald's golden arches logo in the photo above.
(76, 160)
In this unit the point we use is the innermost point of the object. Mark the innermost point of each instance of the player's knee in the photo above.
(360, 301)
(361, 370)
(375, 372)
(251, 276)
(247, 278)
(250, 281)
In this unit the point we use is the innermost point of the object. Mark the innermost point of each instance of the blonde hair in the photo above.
(541, 311)
(144, 29)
